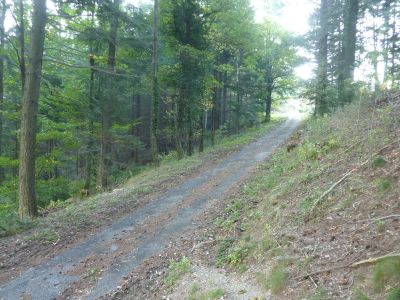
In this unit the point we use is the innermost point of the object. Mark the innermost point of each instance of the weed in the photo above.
(306, 204)
(319, 294)
(359, 295)
(223, 249)
(56, 204)
(92, 273)
(380, 225)
(196, 294)
(383, 185)
(45, 236)
(277, 279)
(176, 270)
(386, 272)
(394, 294)
(378, 161)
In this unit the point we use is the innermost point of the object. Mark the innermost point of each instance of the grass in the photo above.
(386, 274)
(45, 236)
(196, 293)
(176, 270)
(276, 280)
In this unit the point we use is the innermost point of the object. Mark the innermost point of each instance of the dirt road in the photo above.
(96, 266)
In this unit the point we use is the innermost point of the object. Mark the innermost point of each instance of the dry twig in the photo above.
(373, 260)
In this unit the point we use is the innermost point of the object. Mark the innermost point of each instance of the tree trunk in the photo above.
(224, 98)
(394, 38)
(346, 92)
(156, 92)
(22, 64)
(268, 104)
(2, 38)
(91, 113)
(202, 130)
(30, 101)
(238, 91)
(105, 146)
(321, 105)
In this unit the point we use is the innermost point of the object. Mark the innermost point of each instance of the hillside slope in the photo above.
(319, 222)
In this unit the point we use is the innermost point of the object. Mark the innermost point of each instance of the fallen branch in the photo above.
(327, 192)
(378, 219)
(374, 259)
(201, 244)
(319, 272)
(333, 186)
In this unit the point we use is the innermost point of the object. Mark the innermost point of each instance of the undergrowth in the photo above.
(297, 189)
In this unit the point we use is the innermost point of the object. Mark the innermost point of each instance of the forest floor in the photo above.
(89, 248)
(319, 222)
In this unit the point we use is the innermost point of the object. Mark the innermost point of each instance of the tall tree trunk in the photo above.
(268, 101)
(138, 107)
(156, 92)
(21, 36)
(30, 103)
(385, 46)
(224, 98)
(90, 145)
(238, 91)
(190, 138)
(375, 54)
(2, 38)
(394, 38)
(202, 130)
(321, 105)
(350, 36)
(105, 146)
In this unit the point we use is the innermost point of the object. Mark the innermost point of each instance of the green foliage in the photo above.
(359, 295)
(386, 272)
(176, 270)
(45, 236)
(383, 184)
(378, 162)
(319, 294)
(276, 280)
(195, 293)
(394, 294)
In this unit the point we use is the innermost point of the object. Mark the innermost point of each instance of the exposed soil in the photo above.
(91, 263)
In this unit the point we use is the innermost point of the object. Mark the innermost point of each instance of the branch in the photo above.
(378, 219)
(373, 260)
(101, 70)
(349, 173)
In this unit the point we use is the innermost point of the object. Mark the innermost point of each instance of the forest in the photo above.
(92, 91)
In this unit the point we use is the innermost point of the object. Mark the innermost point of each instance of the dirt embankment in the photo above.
(321, 221)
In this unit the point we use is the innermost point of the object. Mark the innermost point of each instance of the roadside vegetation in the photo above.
(322, 220)
(79, 212)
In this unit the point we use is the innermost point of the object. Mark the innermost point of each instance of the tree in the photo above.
(346, 72)
(2, 39)
(30, 101)
(105, 146)
(321, 105)
(156, 92)
(277, 60)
